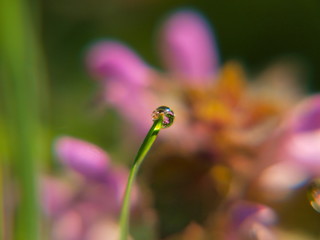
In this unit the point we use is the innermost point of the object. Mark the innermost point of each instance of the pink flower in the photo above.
(96, 195)
(135, 90)
(302, 145)
(229, 121)
(298, 155)
(103, 180)
(124, 78)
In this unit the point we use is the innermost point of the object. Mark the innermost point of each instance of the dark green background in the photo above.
(253, 31)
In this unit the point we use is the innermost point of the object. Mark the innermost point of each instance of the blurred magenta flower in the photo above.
(117, 62)
(297, 158)
(225, 124)
(124, 79)
(127, 83)
(188, 48)
(80, 202)
(234, 140)
(306, 116)
(302, 146)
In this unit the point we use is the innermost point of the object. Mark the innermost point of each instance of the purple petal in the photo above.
(113, 60)
(307, 116)
(82, 156)
(189, 48)
(302, 129)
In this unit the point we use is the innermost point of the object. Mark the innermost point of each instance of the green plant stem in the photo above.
(144, 149)
(1, 203)
(20, 90)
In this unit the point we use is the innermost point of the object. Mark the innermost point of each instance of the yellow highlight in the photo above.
(221, 176)
(216, 112)
(231, 83)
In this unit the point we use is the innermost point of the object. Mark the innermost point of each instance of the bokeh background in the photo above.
(255, 33)
(63, 100)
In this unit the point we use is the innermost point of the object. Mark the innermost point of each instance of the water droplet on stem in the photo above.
(314, 194)
(167, 115)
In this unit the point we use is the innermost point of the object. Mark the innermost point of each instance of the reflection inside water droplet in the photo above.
(314, 194)
(166, 113)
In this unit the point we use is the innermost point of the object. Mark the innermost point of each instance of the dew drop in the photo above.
(166, 113)
(314, 194)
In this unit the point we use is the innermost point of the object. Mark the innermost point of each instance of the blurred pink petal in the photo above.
(304, 148)
(82, 156)
(307, 115)
(125, 79)
(134, 103)
(55, 195)
(110, 60)
(188, 47)
(301, 144)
